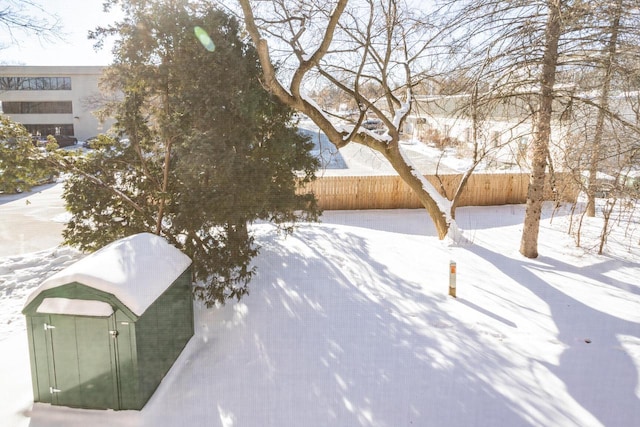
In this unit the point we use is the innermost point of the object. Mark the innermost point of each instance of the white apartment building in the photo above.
(53, 100)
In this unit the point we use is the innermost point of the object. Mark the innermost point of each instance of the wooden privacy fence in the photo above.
(390, 192)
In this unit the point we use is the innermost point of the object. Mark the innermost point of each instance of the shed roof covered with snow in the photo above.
(136, 270)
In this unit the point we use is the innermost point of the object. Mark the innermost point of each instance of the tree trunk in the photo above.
(238, 236)
(542, 133)
(475, 124)
(165, 186)
(596, 147)
(437, 208)
(167, 163)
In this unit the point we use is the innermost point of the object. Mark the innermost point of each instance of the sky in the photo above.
(76, 17)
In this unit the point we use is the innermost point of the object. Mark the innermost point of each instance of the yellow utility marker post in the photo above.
(452, 279)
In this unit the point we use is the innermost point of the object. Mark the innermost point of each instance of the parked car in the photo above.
(66, 140)
(372, 124)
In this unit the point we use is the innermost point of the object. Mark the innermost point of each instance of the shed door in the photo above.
(82, 362)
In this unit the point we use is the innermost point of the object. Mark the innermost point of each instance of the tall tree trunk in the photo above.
(542, 133)
(596, 146)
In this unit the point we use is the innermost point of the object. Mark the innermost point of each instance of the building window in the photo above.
(35, 83)
(46, 107)
(45, 130)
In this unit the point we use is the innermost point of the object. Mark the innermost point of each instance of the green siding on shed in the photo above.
(127, 363)
(164, 330)
(107, 362)
(39, 365)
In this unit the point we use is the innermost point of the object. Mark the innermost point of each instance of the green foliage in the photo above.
(21, 164)
(102, 193)
(208, 150)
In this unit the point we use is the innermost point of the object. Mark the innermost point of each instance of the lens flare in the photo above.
(204, 38)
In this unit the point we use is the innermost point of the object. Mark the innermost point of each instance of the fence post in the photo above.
(452, 278)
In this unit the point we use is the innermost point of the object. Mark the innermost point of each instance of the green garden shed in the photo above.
(104, 331)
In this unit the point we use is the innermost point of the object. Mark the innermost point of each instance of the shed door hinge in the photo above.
(48, 326)
(54, 390)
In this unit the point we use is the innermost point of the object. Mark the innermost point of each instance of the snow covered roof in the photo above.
(136, 270)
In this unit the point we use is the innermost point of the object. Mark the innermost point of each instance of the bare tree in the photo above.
(542, 133)
(518, 54)
(355, 46)
(350, 43)
(494, 129)
(601, 69)
(531, 51)
(26, 16)
(609, 57)
(512, 47)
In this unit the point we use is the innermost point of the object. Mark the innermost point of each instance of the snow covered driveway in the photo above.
(31, 221)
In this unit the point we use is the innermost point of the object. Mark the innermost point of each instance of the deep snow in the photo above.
(349, 324)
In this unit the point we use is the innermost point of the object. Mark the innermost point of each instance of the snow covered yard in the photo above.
(349, 324)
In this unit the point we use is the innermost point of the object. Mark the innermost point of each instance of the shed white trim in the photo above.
(75, 307)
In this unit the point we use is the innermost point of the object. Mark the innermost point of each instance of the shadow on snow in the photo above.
(595, 368)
